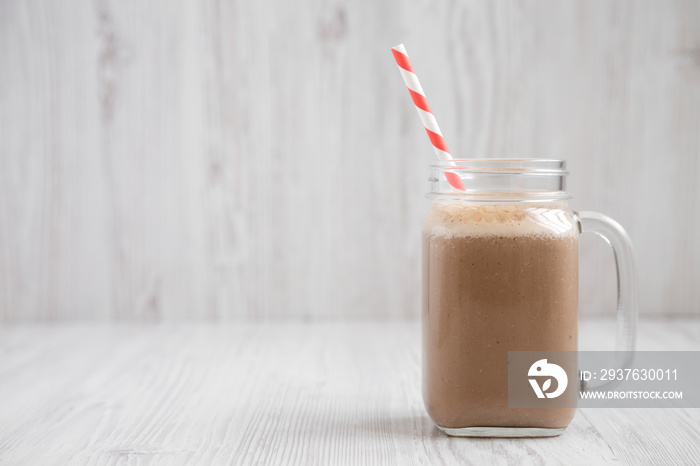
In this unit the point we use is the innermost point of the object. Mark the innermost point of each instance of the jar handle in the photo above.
(627, 309)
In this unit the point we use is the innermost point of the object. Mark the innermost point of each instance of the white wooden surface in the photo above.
(212, 160)
(284, 393)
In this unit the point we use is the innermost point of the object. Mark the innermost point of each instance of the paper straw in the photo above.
(424, 112)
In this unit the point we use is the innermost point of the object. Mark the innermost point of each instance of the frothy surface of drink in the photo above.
(461, 219)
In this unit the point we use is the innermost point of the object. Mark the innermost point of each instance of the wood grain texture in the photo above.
(283, 393)
(168, 160)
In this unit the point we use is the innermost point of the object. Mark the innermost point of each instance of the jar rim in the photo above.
(503, 165)
(496, 180)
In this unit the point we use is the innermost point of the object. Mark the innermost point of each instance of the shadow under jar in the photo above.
(500, 274)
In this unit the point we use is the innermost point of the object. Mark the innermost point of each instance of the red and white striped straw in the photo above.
(424, 112)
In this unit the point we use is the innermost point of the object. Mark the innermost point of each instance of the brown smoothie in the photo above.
(496, 278)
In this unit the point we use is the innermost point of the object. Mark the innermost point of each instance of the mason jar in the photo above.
(500, 274)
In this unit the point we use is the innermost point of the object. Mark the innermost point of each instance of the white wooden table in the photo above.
(283, 393)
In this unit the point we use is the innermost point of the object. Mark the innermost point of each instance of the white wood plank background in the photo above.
(284, 393)
(213, 160)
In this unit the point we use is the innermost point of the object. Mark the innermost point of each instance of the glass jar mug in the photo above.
(500, 274)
